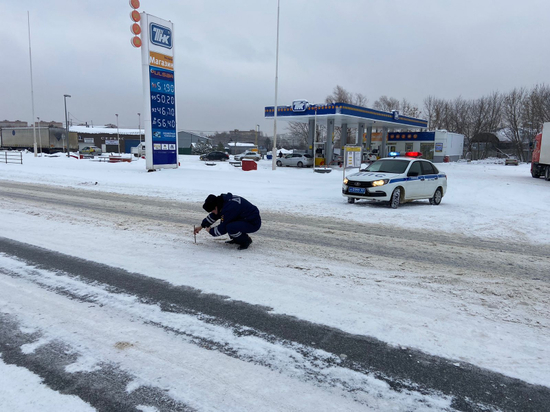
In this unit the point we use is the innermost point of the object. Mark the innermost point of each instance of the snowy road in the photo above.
(381, 246)
(131, 326)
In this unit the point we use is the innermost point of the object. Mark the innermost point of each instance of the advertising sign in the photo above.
(353, 156)
(157, 59)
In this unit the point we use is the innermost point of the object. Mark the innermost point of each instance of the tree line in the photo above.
(518, 114)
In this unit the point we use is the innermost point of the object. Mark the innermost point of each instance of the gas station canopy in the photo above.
(346, 116)
(344, 113)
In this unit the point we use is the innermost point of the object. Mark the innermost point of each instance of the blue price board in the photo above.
(163, 116)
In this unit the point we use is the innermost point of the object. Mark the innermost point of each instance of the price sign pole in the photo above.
(159, 90)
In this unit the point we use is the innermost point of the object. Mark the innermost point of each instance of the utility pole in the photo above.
(139, 126)
(117, 133)
(39, 136)
(274, 150)
(67, 123)
(32, 88)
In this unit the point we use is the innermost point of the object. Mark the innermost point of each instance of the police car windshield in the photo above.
(388, 166)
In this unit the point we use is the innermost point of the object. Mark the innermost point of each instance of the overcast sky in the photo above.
(225, 55)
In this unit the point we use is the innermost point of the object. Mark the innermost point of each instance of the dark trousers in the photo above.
(239, 229)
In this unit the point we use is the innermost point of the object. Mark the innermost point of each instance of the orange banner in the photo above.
(161, 61)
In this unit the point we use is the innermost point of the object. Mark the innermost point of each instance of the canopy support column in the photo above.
(384, 147)
(329, 151)
(360, 133)
(311, 136)
(368, 143)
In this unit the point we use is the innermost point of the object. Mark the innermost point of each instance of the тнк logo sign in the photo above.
(161, 36)
(300, 105)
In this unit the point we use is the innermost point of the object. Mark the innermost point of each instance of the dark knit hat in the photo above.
(210, 203)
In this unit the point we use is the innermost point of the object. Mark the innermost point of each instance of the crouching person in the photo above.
(238, 217)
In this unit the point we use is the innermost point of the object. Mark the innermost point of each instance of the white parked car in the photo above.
(369, 157)
(295, 159)
(249, 154)
(139, 150)
(397, 180)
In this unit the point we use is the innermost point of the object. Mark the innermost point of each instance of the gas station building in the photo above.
(377, 131)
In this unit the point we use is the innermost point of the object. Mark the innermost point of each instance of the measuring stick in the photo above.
(194, 234)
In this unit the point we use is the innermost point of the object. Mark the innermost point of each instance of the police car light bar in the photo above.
(407, 154)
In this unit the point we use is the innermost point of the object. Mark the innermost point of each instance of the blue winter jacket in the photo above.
(235, 208)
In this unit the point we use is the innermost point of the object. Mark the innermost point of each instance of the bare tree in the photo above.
(513, 117)
(360, 100)
(432, 109)
(485, 116)
(341, 95)
(300, 132)
(539, 106)
(386, 104)
(409, 109)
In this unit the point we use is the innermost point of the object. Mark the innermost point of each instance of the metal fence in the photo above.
(11, 157)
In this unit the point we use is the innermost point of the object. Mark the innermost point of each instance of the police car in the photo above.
(397, 179)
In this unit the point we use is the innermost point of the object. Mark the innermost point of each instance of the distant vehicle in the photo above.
(295, 159)
(511, 162)
(48, 139)
(540, 162)
(397, 180)
(91, 150)
(139, 150)
(215, 156)
(369, 157)
(248, 155)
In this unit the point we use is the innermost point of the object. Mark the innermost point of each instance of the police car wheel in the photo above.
(436, 199)
(351, 200)
(395, 198)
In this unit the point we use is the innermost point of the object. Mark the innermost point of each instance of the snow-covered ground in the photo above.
(484, 200)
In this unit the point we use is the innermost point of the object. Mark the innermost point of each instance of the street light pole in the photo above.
(274, 150)
(39, 136)
(67, 123)
(117, 133)
(139, 126)
(257, 130)
(32, 87)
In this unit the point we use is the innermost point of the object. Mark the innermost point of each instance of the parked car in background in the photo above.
(90, 150)
(249, 154)
(369, 157)
(295, 159)
(139, 150)
(215, 156)
(397, 180)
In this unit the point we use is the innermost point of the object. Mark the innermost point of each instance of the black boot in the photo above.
(246, 243)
